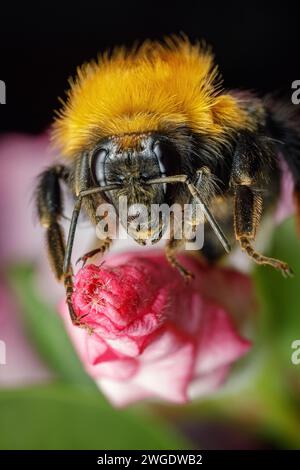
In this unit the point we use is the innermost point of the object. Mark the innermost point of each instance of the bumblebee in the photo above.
(154, 124)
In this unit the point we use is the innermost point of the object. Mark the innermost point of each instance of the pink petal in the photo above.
(167, 342)
(77, 335)
(96, 347)
(122, 393)
(123, 369)
(124, 345)
(219, 344)
(168, 378)
(207, 383)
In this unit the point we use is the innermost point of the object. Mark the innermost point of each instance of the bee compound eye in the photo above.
(157, 149)
(98, 166)
(168, 158)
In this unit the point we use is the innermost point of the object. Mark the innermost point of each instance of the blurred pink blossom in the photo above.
(154, 335)
(22, 158)
(285, 206)
(22, 364)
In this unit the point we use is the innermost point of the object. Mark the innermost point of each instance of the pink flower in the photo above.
(154, 335)
(286, 205)
(22, 158)
(21, 364)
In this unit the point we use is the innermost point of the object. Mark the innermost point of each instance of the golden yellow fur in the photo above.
(151, 88)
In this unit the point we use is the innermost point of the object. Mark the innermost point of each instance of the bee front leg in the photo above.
(50, 210)
(172, 247)
(104, 246)
(68, 271)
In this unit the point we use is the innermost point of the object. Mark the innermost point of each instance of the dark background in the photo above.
(256, 44)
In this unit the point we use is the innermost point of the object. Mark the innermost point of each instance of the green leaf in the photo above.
(46, 329)
(280, 298)
(62, 416)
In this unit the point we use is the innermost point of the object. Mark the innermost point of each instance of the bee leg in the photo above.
(105, 244)
(68, 283)
(253, 159)
(68, 271)
(171, 248)
(49, 209)
(247, 212)
(67, 266)
(170, 251)
(76, 320)
(83, 190)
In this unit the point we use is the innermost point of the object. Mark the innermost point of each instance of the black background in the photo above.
(257, 45)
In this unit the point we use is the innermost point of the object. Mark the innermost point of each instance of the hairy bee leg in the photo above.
(68, 283)
(69, 287)
(90, 254)
(246, 245)
(254, 156)
(49, 207)
(170, 250)
(83, 189)
(81, 179)
(172, 247)
(68, 271)
(67, 266)
(102, 249)
(247, 213)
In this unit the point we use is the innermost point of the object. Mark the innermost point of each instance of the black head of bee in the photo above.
(132, 165)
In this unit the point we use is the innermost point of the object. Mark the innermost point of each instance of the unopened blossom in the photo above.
(154, 335)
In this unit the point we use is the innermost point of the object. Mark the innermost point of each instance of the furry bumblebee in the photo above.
(146, 123)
